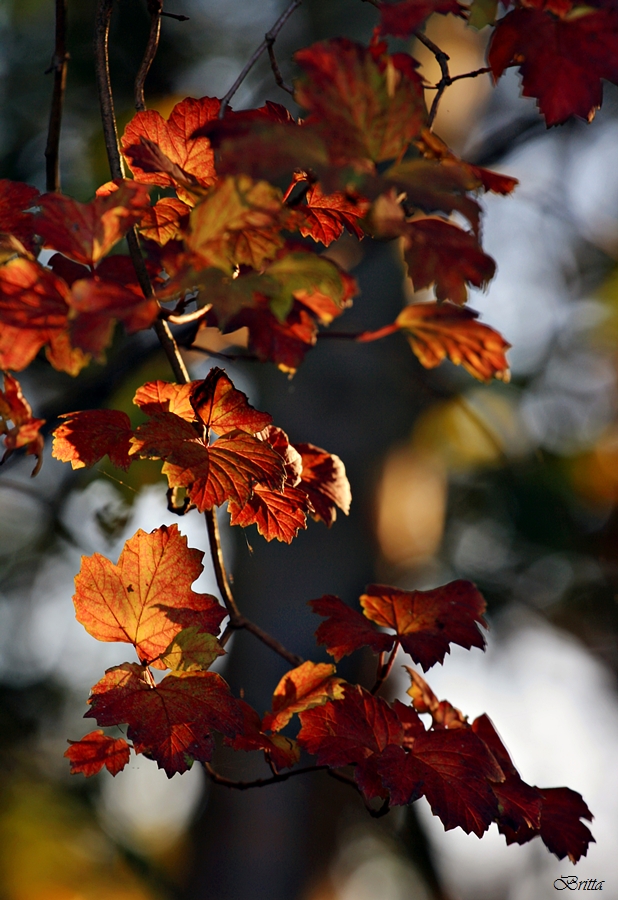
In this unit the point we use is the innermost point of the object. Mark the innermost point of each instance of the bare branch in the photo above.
(176, 16)
(259, 782)
(293, 658)
(155, 8)
(106, 100)
(59, 65)
(216, 554)
(269, 40)
(276, 70)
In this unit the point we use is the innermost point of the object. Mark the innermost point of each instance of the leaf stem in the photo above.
(155, 8)
(59, 65)
(269, 39)
(384, 668)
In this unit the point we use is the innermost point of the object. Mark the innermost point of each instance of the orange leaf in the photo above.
(326, 215)
(145, 600)
(279, 515)
(310, 684)
(86, 437)
(162, 396)
(174, 138)
(427, 622)
(440, 331)
(24, 431)
(86, 232)
(165, 221)
(443, 713)
(96, 750)
(325, 482)
(170, 722)
(221, 407)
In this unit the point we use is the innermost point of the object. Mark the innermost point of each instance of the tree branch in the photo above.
(106, 100)
(259, 782)
(59, 65)
(384, 668)
(155, 8)
(216, 554)
(274, 65)
(269, 39)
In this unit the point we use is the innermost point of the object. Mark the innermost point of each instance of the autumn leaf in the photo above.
(305, 687)
(444, 255)
(353, 730)
(327, 215)
(443, 331)
(163, 396)
(403, 18)
(170, 722)
(283, 343)
(346, 630)
(165, 221)
(452, 769)
(325, 482)
(95, 750)
(192, 650)
(367, 108)
(86, 437)
(220, 406)
(99, 304)
(15, 199)
(283, 751)
(443, 713)
(146, 599)
(433, 185)
(563, 51)
(278, 515)
(86, 232)
(175, 138)
(24, 430)
(428, 622)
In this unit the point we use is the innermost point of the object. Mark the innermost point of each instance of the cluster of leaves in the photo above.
(233, 210)
(462, 769)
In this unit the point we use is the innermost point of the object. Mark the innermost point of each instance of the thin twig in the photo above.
(484, 71)
(269, 39)
(276, 70)
(216, 554)
(176, 16)
(106, 100)
(442, 59)
(259, 782)
(155, 8)
(59, 67)
(293, 658)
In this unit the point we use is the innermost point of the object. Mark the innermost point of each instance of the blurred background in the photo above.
(513, 486)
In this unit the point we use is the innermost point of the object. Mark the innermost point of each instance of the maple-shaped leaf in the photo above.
(444, 255)
(563, 50)
(164, 396)
(24, 430)
(86, 437)
(443, 713)
(165, 221)
(353, 730)
(325, 482)
(305, 687)
(283, 751)
(327, 215)
(226, 470)
(86, 232)
(99, 304)
(95, 750)
(15, 199)
(370, 108)
(444, 331)
(278, 515)
(170, 722)
(239, 223)
(146, 599)
(453, 770)
(192, 650)
(432, 186)
(525, 811)
(220, 406)
(428, 622)
(346, 630)
(283, 343)
(176, 141)
(403, 18)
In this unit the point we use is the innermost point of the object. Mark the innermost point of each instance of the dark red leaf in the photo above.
(15, 198)
(325, 482)
(345, 629)
(24, 430)
(403, 18)
(96, 750)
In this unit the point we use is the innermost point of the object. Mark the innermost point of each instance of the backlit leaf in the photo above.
(24, 430)
(346, 630)
(95, 750)
(325, 482)
(86, 437)
(283, 751)
(403, 18)
(307, 686)
(192, 650)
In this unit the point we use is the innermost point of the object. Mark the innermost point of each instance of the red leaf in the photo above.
(284, 343)
(369, 109)
(443, 331)
(346, 630)
(410, 720)
(99, 304)
(221, 407)
(86, 232)
(452, 769)
(326, 215)
(305, 687)
(15, 198)
(446, 256)
(146, 600)
(325, 482)
(349, 730)
(403, 18)
(277, 515)
(165, 221)
(170, 722)
(443, 713)
(24, 431)
(174, 137)
(427, 622)
(96, 750)
(283, 751)
(563, 52)
(86, 437)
